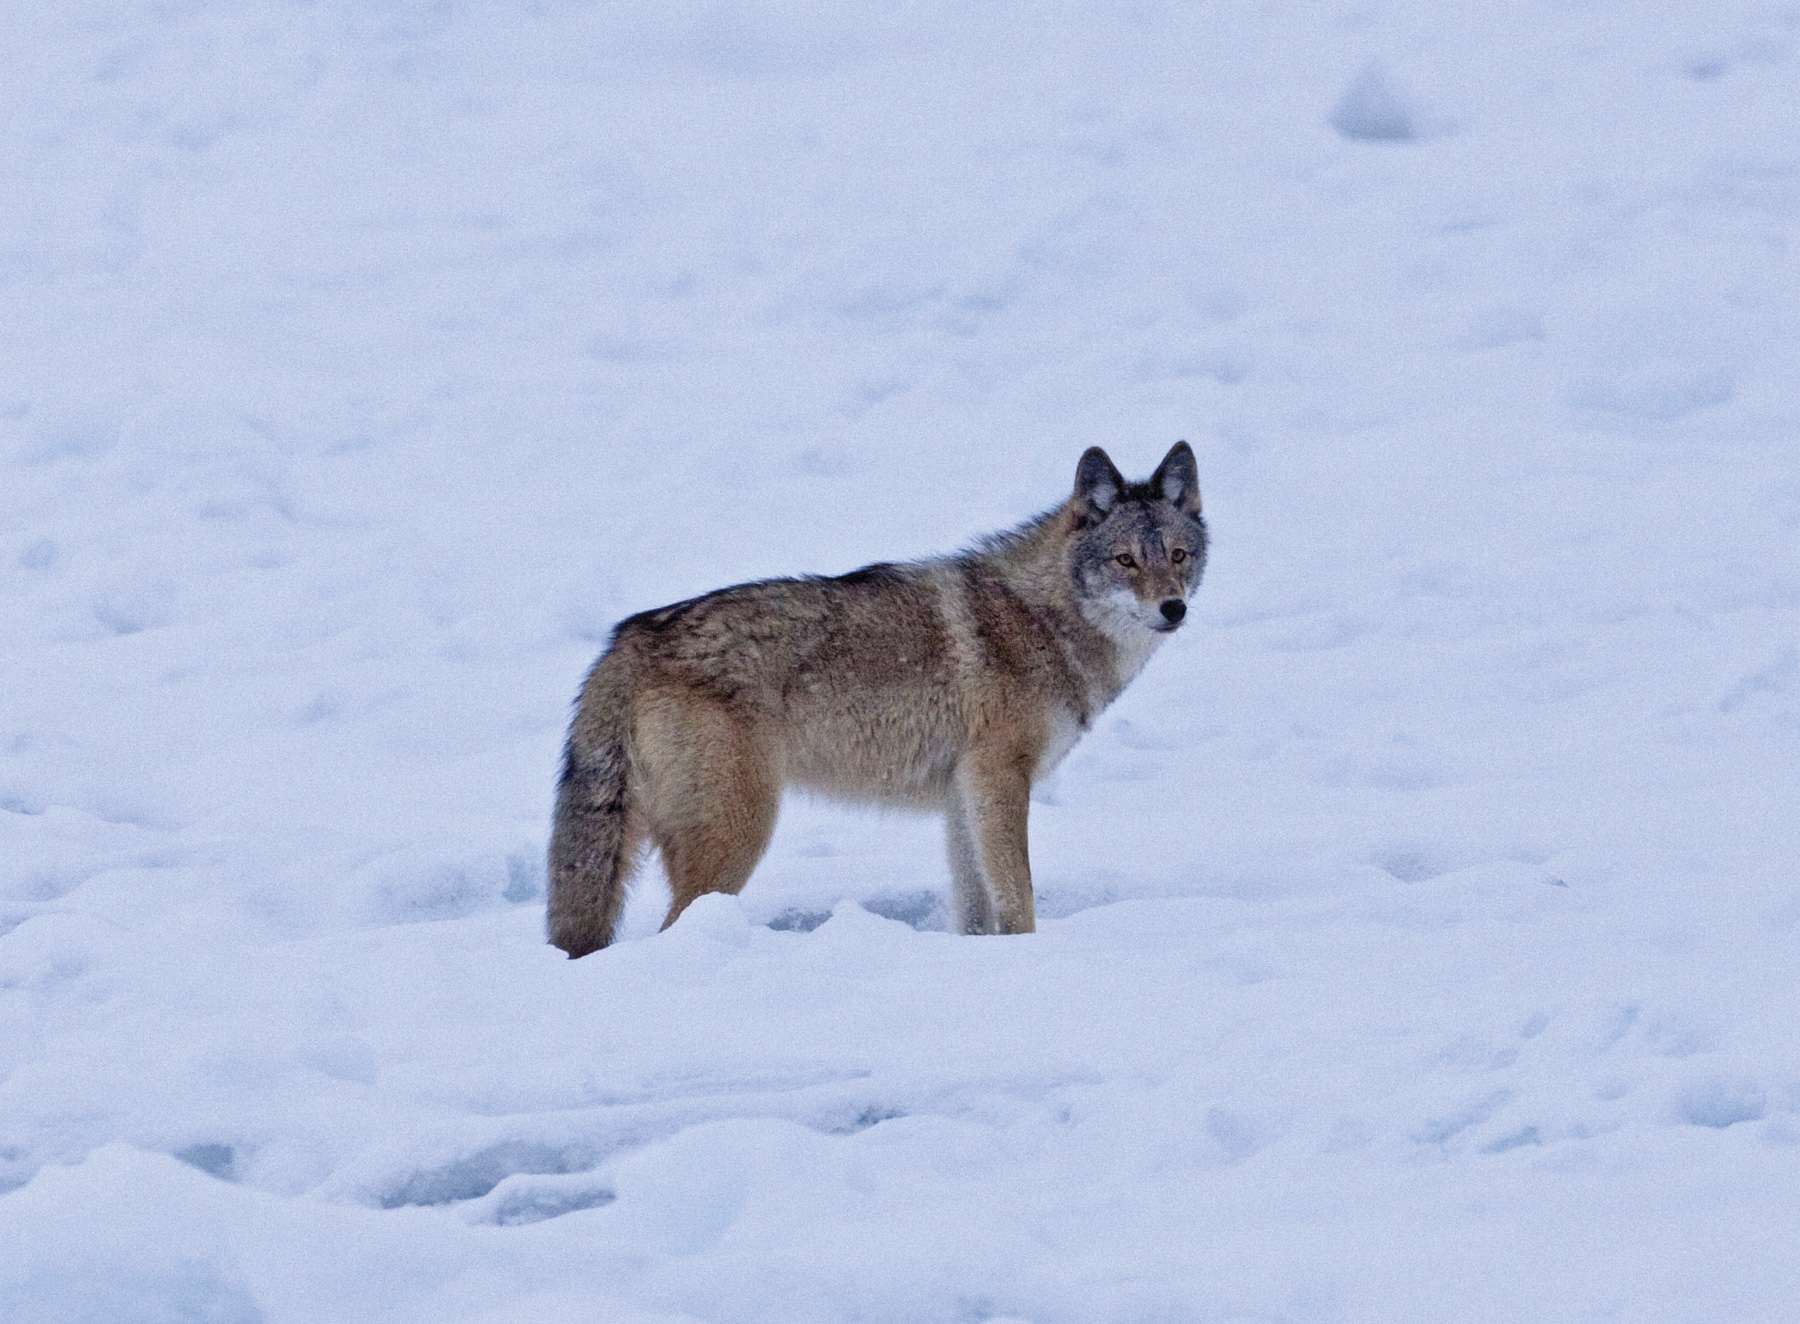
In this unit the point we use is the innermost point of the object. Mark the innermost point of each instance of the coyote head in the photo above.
(1137, 549)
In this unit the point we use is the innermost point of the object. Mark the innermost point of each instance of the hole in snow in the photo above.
(538, 1203)
(1407, 864)
(859, 1118)
(472, 1177)
(1373, 109)
(923, 909)
(214, 1159)
(1524, 1136)
(1718, 1102)
(796, 920)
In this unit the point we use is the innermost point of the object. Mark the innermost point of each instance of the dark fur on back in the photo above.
(657, 619)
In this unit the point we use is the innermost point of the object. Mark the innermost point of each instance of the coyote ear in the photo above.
(1177, 479)
(1097, 482)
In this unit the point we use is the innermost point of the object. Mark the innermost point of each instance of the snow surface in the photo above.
(1422, 930)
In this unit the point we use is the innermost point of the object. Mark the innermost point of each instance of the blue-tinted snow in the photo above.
(1421, 930)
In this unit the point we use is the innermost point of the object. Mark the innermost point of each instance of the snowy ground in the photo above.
(1423, 928)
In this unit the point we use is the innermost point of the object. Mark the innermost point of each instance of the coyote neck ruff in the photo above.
(949, 684)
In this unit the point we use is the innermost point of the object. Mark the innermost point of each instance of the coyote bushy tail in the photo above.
(591, 840)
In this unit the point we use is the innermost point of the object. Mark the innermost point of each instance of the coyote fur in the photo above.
(949, 684)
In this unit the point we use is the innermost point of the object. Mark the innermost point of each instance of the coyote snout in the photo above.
(949, 684)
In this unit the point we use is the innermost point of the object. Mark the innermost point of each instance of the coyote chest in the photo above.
(1065, 732)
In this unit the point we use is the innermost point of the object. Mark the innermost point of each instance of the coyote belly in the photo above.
(948, 684)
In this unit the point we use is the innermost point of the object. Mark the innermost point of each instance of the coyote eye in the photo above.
(1178, 555)
(1126, 559)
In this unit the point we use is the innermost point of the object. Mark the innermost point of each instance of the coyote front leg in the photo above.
(973, 907)
(994, 790)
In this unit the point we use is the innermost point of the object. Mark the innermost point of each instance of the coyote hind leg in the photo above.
(713, 794)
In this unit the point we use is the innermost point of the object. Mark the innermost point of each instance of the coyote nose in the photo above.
(1173, 609)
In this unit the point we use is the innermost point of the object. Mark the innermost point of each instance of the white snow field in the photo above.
(1421, 933)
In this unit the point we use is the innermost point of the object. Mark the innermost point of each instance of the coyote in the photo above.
(949, 684)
